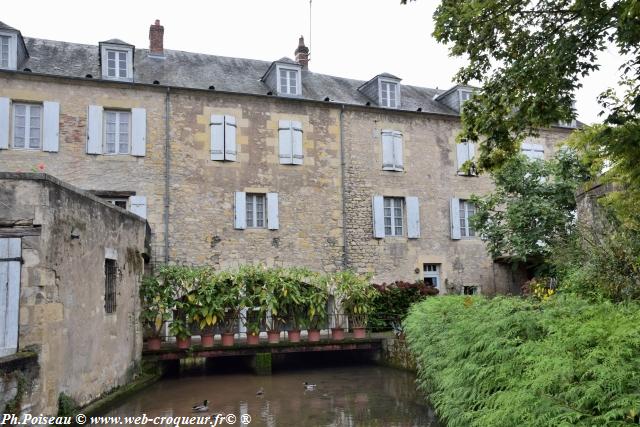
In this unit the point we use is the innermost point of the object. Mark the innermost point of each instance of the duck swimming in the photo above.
(260, 392)
(204, 407)
(308, 386)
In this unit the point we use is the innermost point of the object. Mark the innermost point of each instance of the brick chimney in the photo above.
(302, 54)
(156, 36)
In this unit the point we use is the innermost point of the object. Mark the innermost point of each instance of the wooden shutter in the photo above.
(138, 132)
(5, 113)
(472, 150)
(388, 162)
(378, 217)
(455, 219)
(240, 222)
(230, 150)
(94, 130)
(138, 205)
(285, 142)
(462, 153)
(273, 220)
(217, 137)
(398, 151)
(413, 217)
(10, 253)
(297, 148)
(51, 125)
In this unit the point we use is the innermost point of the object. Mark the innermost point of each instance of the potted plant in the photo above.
(254, 321)
(356, 299)
(253, 278)
(273, 301)
(293, 292)
(316, 316)
(232, 304)
(156, 302)
(179, 282)
(179, 329)
(333, 283)
(206, 309)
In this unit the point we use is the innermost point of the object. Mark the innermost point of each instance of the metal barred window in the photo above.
(110, 279)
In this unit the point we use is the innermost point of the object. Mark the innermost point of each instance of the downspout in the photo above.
(343, 166)
(167, 171)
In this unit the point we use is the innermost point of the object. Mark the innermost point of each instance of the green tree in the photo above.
(532, 207)
(528, 57)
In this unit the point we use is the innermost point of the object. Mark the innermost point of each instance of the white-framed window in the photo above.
(117, 64)
(432, 275)
(393, 216)
(392, 151)
(289, 81)
(465, 95)
(389, 94)
(256, 211)
(465, 151)
(27, 126)
(120, 202)
(117, 132)
(467, 210)
(4, 50)
(532, 151)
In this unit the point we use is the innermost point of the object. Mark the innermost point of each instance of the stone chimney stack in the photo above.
(302, 54)
(156, 36)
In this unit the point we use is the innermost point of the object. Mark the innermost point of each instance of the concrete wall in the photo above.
(82, 350)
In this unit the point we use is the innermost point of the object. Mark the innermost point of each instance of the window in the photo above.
(110, 278)
(223, 138)
(470, 290)
(288, 81)
(393, 207)
(27, 126)
(120, 202)
(388, 94)
(467, 210)
(256, 209)
(116, 64)
(465, 95)
(432, 275)
(4, 51)
(116, 132)
(465, 151)
(290, 142)
(532, 151)
(392, 151)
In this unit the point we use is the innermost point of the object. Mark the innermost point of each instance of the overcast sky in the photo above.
(349, 38)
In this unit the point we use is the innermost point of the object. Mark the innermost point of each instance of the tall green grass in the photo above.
(513, 362)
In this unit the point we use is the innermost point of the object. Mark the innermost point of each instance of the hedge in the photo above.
(509, 361)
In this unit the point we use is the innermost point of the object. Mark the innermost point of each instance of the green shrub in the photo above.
(515, 362)
(391, 304)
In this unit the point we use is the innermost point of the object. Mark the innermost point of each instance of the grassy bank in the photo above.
(514, 362)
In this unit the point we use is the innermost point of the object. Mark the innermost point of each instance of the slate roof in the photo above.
(199, 71)
(4, 26)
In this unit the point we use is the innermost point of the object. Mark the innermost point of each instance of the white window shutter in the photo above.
(217, 137)
(378, 217)
(398, 151)
(240, 222)
(94, 130)
(138, 132)
(472, 150)
(51, 125)
(413, 217)
(285, 142)
(138, 205)
(230, 150)
(298, 152)
(455, 219)
(273, 219)
(462, 153)
(9, 295)
(388, 162)
(5, 113)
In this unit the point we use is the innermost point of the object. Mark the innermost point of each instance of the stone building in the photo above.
(237, 161)
(70, 265)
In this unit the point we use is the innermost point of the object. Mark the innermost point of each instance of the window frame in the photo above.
(251, 199)
(393, 217)
(289, 71)
(105, 114)
(110, 285)
(396, 94)
(397, 138)
(462, 93)
(104, 53)
(432, 274)
(27, 128)
(115, 200)
(466, 230)
(12, 50)
(459, 164)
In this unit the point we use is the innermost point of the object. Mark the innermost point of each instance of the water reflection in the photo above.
(344, 397)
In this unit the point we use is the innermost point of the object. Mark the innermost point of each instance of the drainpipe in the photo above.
(167, 171)
(343, 166)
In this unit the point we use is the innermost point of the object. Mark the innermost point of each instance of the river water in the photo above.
(366, 395)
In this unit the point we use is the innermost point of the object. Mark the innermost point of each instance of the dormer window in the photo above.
(4, 51)
(117, 60)
(289, 81)
(465, 95)
(388, 94)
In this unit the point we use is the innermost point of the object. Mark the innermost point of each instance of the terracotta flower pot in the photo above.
(274, 337)
(294, 336)
(359, 333)
(337, 334)
(313, 335)
(154, 343)
(227, 339)
(206, 340)
(253, 339)
(183, 343)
